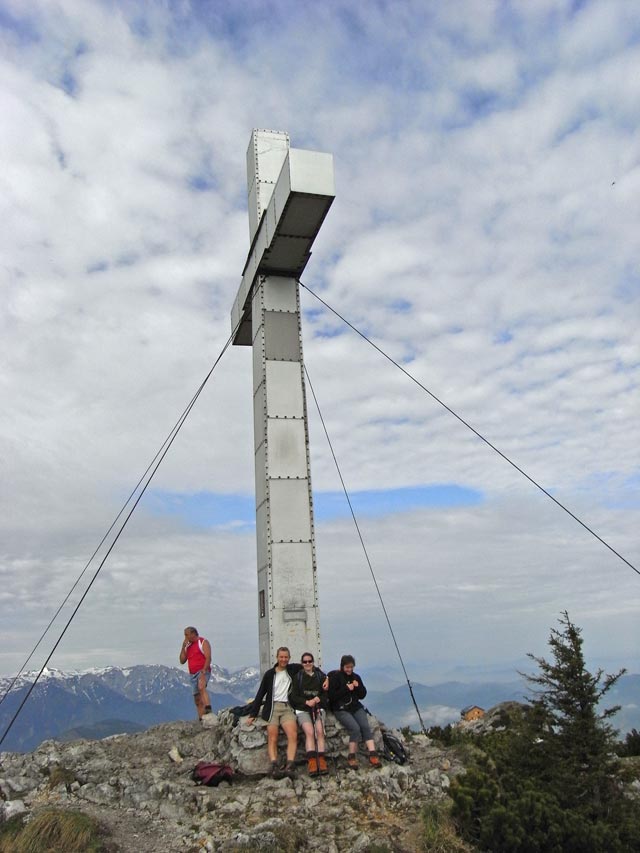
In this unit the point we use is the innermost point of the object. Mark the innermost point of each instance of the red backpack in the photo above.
(206, 773)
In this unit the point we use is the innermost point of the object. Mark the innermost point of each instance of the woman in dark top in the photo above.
(309, 699)
(274, 691)
(345, 692)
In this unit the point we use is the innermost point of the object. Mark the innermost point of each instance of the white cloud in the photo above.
(506, 226)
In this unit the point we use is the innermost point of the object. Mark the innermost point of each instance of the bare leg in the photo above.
(197, 698)
(319, 735)
(309, 742)
(204, 699)
(272, 742)
(290, 728)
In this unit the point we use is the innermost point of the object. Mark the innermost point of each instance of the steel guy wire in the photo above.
(161, 454)
(366, 554)
(473, 429)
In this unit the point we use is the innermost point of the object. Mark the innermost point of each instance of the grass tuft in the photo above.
(440, 834)
(61, 776)
(54, 831)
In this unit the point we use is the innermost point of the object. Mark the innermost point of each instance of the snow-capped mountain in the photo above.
(125, 698)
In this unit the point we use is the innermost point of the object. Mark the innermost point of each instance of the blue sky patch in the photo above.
(201, 182)
(205, 509)
(69, 84)
(237, 512)
(379, 502)
(24, 29)
(503, 336)
(99, 266)
(329, 332)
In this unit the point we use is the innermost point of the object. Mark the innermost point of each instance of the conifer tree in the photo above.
(579, 736)
(548, 784)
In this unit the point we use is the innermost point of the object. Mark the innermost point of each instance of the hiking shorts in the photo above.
(305, 717)
(194, 681)
(282, 713)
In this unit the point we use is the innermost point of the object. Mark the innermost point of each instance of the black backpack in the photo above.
(394, 749)
(207, 773)
(240, 711)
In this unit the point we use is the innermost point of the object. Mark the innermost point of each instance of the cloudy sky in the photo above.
(485, 234)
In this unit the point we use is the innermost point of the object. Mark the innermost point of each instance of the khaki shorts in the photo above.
(305, 717)
(282, 713)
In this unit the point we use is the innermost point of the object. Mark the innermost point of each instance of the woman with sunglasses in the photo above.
(345, 691)
(309, 699)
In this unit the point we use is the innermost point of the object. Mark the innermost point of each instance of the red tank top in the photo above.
(195, 656)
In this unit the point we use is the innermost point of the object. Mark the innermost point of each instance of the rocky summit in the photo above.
(140, 788)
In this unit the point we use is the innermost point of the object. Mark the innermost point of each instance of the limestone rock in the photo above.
(174, 755)
(209, 721)
(11, 809)
(134, 784)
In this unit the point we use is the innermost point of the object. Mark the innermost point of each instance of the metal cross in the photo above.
(290, 192)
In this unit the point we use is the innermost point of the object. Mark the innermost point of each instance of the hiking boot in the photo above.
(352, 761)
(289, 769)
(312, 764)
(322, 764)
(274, 771)
(374, 761)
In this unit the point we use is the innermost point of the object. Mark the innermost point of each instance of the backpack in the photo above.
(394, 749)
(206, 773)
(240, 711)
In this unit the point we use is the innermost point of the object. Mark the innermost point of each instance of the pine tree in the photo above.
(579, 739)
(548, 784)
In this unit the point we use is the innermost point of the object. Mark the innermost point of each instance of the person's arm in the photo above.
(323, 681)
(206, 651)
(296, 696)
(202, 676)
(338, 690)
(254, 708)
(360, 691)
(183, 650)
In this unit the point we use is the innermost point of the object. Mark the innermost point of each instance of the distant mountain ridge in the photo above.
(99, 702)
(441, 703)
(141, 695)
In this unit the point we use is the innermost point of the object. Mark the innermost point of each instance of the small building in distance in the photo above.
(471, 713)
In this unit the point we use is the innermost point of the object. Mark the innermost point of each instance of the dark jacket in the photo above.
(306, 687)
(340, 697)
(265, 692)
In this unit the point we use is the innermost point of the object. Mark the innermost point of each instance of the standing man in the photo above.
(196, 651)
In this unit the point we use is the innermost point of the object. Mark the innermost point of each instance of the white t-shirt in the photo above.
(281, 686)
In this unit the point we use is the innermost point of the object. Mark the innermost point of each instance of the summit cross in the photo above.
(289, 193)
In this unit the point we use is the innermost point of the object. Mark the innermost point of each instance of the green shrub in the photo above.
(631, 744)
(442, 735)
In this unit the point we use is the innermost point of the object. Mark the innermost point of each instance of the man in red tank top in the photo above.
(196, 651)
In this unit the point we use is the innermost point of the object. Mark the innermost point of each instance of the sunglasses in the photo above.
(307, 660)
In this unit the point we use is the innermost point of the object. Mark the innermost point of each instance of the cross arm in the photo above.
(282, 244)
